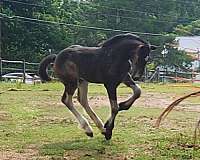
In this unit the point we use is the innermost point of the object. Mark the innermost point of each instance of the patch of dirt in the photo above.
(147, 148)
(80, 154)
(147, 99)
(27, 154)
(131, 121)
(152, 100)
(53, 120)
(4, 116)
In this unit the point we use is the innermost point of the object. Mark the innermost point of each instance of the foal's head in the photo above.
(140, 60)
(132, 47)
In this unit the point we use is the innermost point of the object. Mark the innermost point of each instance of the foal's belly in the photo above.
(103, 76)
(93, 76)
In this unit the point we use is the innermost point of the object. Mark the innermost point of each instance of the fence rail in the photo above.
(158, 75)
(7, 66)
(171, 76)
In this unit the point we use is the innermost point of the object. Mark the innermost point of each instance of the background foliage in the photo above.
(31, 39)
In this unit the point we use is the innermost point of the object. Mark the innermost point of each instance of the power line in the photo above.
(117, 9)
(186, 2)
(134, 18)
(174, 1)
(105, 15)
(126, 17)
(23, 3)
(31, 20)
(145, 13)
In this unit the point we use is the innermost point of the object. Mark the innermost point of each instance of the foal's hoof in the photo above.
(89, 134)
(108, 134)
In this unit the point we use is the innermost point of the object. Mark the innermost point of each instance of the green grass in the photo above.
(172, 88)
(35, 118)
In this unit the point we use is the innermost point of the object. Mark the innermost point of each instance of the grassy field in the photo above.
(34, 124)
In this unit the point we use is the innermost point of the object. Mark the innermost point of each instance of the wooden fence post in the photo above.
(1, 68)
(192, 76)
(24, 71)
(145, 74)
(176, 76)
(158, 74)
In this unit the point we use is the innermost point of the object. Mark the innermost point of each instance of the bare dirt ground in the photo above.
(14, 155)
(150, 100)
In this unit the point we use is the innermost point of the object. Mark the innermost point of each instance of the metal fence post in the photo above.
(24, 71)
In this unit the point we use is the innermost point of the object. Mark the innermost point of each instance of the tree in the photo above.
(31, 40)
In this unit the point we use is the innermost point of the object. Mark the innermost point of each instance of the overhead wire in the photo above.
(120, 16)
(33, 20)
(89, 27)
(173, 1)
(138, 18)
(46, 22)
(23, 3)
(102, 6)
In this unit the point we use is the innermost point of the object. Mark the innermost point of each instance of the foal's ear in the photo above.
(153, 47)
(143, 48)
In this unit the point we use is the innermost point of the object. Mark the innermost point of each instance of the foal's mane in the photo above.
(120, 37)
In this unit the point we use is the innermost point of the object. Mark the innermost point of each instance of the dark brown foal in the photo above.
(116, 61)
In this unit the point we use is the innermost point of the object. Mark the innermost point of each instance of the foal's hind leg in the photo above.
(67, 100)
(82, 98)
(137, 92)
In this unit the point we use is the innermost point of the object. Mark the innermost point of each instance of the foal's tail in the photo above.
(43, 67)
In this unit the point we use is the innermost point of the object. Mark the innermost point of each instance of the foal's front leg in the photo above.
(109, 125)
(136, 90)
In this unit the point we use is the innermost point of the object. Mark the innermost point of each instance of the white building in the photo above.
(191, 45)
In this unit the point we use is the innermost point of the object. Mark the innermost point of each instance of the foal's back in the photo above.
(77, 62)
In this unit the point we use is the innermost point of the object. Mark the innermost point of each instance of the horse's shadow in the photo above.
(79, 148)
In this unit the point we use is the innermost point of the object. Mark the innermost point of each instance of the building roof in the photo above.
(189, 43)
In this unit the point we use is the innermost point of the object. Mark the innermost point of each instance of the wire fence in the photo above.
(21, 67)
(158, 75)
(169, 75)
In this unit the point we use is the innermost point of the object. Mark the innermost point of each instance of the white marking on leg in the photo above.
(83, 121)
(83, 89)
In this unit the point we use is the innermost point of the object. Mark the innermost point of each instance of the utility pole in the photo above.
(1, 69)
(198, 55)
(0, 31)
